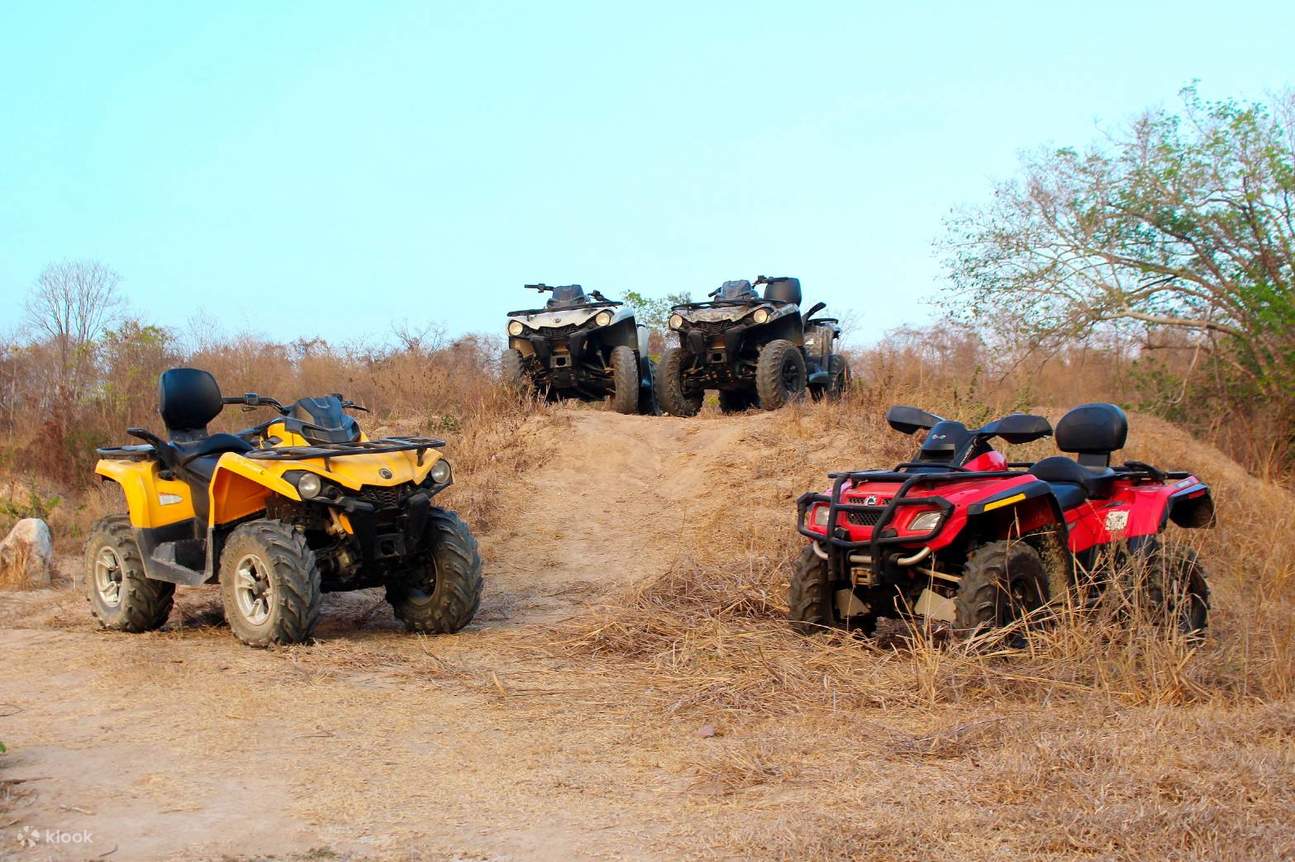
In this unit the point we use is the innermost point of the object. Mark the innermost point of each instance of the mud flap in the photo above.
(647, 391)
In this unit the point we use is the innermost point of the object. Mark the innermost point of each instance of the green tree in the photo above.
(1180, 221)
(654, 312)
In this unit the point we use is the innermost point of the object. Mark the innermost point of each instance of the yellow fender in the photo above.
(240, 487)
(151, 500)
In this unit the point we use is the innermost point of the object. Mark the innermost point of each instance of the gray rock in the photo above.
(27, 556)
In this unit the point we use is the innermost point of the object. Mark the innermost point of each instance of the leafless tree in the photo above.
(70, 306)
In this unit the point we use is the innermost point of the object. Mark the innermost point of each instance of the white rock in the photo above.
(27, 555)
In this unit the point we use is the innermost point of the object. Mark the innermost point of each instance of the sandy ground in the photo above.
(509, 741)
(371, 743)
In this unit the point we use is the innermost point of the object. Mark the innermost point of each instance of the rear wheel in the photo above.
(625, 380)
(121, 596)
(1174, 588)
(443, 596)
(1001, 582)
(839, 370)
(779, 374)
(670, 393)
(269, 584)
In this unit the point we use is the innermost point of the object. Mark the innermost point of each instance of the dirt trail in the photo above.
(371, 743)
(604, 511)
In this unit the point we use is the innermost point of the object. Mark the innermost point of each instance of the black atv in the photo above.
(580, 346)
(753, 350)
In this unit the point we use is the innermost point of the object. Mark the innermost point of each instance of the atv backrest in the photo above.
(1094, 431)
(188, 398)
(783, 288)
(910, 420)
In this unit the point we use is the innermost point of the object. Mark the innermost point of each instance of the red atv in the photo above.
(963, 536)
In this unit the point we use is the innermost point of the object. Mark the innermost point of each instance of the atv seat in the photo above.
(188, 399)
(1072, 483)
(199, 457)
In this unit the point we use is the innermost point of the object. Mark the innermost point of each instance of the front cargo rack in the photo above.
(420, 445)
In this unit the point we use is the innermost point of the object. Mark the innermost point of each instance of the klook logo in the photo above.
(30, 836)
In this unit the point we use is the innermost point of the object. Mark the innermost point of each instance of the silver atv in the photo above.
(756, 350)
(582, 346)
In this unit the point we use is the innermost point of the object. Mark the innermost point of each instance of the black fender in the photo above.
(622, 333)
(1192, 507)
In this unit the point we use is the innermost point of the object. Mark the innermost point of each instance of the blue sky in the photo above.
(339, 168)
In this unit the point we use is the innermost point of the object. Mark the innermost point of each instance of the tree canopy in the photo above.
(1181, 220)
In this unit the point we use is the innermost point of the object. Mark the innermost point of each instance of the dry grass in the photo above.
(14, 571)
(1103, 735)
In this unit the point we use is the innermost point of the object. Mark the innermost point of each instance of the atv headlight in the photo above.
(925, 522)
(441, 473)
(604, 318)
(515, 328)
(676, 321)
(761, 315)
(309, 486)
(819, 514)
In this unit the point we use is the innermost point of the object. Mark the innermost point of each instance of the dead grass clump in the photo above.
(710, 633)
(14, 570)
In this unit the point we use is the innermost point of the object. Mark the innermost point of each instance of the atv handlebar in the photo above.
(251, 401)
(541, 288)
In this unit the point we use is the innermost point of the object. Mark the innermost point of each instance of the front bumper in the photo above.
(881, 543)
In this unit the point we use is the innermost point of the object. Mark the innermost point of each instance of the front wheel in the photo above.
(671, 395)
(269, 584)
(1002, 582)
(810, 607)
(512, 372)
(811, 601)
(442, 595)
(779, 374)
(625, 381)
(121, 596)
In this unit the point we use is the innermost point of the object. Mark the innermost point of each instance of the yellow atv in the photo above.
(299, 505)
